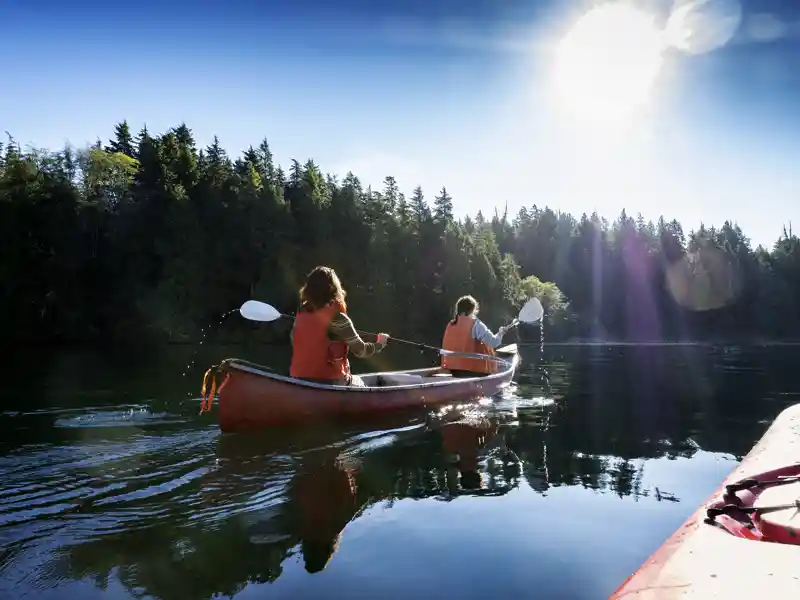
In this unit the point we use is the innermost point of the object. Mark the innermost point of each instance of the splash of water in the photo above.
(545, 409)
(204, 331)
(542, 365)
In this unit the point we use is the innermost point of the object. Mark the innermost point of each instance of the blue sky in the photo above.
(435, 92)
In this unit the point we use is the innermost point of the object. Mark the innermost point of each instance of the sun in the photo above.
(607, 63)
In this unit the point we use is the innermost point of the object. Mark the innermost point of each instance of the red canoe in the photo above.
(744, 542)
(252, 397)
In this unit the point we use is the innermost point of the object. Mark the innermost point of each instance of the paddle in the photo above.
(254, 310)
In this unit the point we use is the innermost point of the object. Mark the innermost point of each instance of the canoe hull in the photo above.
(250, 399)
(703, 561)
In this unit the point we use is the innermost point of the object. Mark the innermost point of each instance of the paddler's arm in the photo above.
(342, 329)
(481, 333)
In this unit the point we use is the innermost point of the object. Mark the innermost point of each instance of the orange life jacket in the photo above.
(458, 338)
(314, 355)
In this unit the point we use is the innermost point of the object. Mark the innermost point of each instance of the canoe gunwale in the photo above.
(509, 365)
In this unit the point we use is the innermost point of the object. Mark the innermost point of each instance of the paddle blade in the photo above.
(532, 311)
(258, 311)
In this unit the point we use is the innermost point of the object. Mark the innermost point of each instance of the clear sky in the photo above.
(486, 97)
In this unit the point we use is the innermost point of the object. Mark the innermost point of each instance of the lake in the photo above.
(112, 486)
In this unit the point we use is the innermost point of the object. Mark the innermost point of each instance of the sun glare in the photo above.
(607, 63)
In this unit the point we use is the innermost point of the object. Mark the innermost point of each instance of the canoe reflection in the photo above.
(464, 443)
(325, 499)
(332, 484)
(267, 498)
(321, 495)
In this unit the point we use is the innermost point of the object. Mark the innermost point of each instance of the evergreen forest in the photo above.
(150, 237)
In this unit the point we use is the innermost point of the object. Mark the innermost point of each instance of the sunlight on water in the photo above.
(522, 402)
(368, 443)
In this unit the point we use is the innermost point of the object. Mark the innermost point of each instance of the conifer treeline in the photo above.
(151, 236)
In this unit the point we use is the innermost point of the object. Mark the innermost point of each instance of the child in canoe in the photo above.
(467, 333)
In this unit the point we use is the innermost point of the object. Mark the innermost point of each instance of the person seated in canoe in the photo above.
(323, 334)
(467, 333)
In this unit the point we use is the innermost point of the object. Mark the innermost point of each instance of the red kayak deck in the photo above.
(703, 561)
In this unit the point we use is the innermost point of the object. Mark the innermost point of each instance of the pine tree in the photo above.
(123, 140)
(265, 163)
(420, 213)
(403, 210)
(443, 208)
(295, 173)
(391, 194)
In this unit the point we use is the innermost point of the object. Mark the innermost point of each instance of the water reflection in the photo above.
(153, 501)
(261, 507)
(465, 442)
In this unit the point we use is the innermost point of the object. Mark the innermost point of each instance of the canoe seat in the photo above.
(388, 379)
(436, 378)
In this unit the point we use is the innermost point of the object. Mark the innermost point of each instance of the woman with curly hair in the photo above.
(323, 333)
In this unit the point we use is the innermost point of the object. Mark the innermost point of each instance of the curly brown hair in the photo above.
(321, 288)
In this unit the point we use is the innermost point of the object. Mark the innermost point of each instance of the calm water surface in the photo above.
(112, 486)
